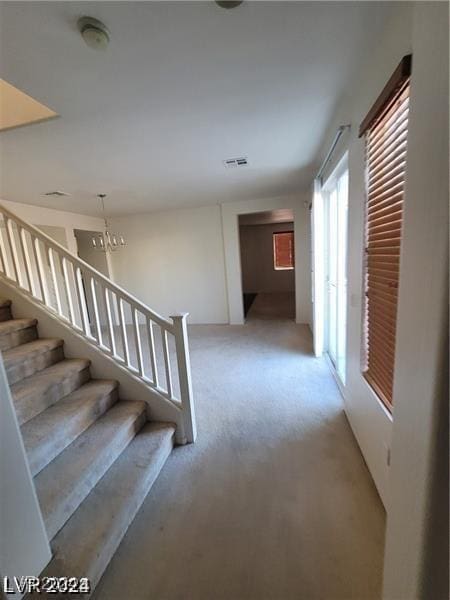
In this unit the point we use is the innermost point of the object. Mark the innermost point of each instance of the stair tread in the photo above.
(29, 358)
(49, 432)
(42, 379)
(66, 481)
(26, 351)
(15, 325)
(15, 332)
(87, 542)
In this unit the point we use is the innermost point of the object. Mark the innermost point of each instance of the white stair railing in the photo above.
(152, 348)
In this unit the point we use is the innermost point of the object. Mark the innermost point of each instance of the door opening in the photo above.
(268, 264)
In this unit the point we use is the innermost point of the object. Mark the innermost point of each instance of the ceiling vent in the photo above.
(232, 163)
(56, 193)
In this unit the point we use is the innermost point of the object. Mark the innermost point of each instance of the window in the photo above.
(386, 130)
(283, 250)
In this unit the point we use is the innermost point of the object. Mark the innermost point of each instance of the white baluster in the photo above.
(82, 302)
(137, 341)
(26, 260)
(123, 331)
(12, 250)
(167, 362)
(54, 275)
(109, 320)
(151, 339)
(96, 312)
(2, 247)
(41, 271)
(66, 278)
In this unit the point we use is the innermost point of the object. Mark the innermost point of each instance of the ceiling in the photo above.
(268, 217)
(181, 87)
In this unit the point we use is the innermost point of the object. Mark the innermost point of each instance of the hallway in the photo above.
(273, 501)
(272, 306)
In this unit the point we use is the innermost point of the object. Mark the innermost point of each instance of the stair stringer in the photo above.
(102, 365)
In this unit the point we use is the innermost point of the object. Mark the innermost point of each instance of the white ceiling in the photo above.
(181, 87)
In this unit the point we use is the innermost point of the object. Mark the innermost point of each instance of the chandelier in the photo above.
(107, 241)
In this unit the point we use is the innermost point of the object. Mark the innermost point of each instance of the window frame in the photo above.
(274, 251)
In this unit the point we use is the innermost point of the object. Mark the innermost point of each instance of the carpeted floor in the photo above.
(272, 305)
(274, 500)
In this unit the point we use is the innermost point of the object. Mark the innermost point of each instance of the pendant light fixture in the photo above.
(107, 241)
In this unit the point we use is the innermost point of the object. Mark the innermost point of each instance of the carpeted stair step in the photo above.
(47, 434)
(87, 542)
(5, 309)
(27, 359)
(39, 391)
(69, 478)
(17, 331)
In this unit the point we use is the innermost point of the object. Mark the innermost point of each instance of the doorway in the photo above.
(268, 264)
(335, 201)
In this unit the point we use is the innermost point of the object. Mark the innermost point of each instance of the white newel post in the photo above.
(184, 374)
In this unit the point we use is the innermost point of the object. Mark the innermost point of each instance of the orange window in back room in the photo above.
(283, 250)
(386, 130)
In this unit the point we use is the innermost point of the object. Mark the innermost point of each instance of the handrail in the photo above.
(105, 314)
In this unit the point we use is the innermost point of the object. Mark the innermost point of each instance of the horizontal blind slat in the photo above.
(388, 173)
(380, 383)
(387, 200)
(380, 393)
(385, 139)
(384, 376)
(387, 193)
(382, 220)
(388, 208)
(385, 227)
(384, 127)
(390, 153)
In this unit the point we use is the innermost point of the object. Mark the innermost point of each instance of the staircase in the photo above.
(93, 457)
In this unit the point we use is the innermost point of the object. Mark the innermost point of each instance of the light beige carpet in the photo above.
(274, 500)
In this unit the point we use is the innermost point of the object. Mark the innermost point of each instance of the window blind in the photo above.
(386, 144)
(283, 250)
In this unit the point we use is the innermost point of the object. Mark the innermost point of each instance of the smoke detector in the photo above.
(94, 33)
(228, 3)
(232, 163)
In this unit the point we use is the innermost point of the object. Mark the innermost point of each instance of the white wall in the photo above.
(24, 549)
(38, 215)
(416, 559)
(188, 260)
(369, 419)
(174, 262)
(86, 251)
(258, 273)
(59, 234)
(413, 490)
(230, 215)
